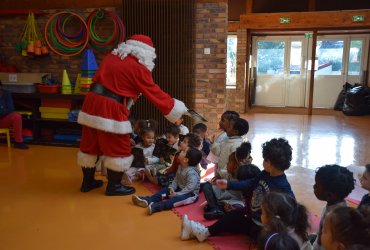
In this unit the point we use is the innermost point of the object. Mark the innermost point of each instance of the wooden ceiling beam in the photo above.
(304, 20)
(233, 26)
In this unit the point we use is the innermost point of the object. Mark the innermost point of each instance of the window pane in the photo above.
(330, 57)
(295, 57)
(270, 58)
(231, 60)
(355, 52)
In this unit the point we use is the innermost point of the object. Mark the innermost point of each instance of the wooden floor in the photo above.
(41, 206)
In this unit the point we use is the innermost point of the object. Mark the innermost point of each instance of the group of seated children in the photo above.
(243, 199)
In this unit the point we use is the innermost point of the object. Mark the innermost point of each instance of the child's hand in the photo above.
(221, 183)
(132, 142)
(172, 193)
(146, 161)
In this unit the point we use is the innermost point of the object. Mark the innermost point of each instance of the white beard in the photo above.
(143, 52)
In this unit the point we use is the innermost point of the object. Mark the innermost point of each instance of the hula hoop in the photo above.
(99, 44)
(60, 39)
(61, 29)
(59, 44)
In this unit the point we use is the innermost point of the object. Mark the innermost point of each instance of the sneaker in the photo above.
(199, 231)
(186, 233)
(20, 145)
(150, 211)
(139, 201)
(154, 207)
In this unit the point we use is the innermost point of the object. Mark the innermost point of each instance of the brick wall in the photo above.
(11, 28)
(235, 99)
(210, 27)
(210, 69)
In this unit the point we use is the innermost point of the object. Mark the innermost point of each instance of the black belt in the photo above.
(101, 90)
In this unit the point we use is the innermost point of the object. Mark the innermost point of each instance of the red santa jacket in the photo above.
(127, 78)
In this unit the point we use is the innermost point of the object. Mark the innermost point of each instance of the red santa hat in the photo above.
(141, 47)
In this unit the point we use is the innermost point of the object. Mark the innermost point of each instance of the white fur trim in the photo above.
(108, 125)
(177, 111)
(86, 160)
(143, 52)
(118, 164)
(140, 44)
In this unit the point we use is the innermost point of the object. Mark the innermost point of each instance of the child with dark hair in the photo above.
(201, 129)
(219, 200)
(172, 135)
(278, 241)
(142, 152)
(248, 221)
(332, 184)
(165, 150)
(345, 227)
(282, 214)
(182, 191)
(147, 130)
(226, 117)
(165, 178)
(365, 184)
(235, 130)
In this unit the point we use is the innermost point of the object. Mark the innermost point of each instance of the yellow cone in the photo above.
(66, 84)
(77, 84)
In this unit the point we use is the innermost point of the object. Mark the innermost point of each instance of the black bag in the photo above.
(357, 101)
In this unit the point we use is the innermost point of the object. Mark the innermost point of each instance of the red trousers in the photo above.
(97, 142)
(13, 120)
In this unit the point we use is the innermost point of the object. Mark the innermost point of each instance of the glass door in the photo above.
(340, 59)
(280, 77)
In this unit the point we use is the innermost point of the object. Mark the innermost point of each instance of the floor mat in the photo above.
(195, 212)
(224, 242)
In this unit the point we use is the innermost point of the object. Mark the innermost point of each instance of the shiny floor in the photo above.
(41, 206)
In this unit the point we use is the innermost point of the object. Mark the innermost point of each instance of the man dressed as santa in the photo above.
(122, 76)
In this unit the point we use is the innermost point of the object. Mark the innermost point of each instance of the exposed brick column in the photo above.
(235, 97)
(210, 69)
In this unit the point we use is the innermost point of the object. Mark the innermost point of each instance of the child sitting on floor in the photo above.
(165, 149)
(346, 227)
(165, 178)
(277, 155)
(182, 191)
(226, 117)
(365, 184)
(235, 130)
(282, 214)
(147, 130)
(219, 199)
(332, 184)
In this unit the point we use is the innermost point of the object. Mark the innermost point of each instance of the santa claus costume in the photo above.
(122, 76)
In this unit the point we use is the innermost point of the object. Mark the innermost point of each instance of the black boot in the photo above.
(213, 209)
(114, 186)
(88, 182)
